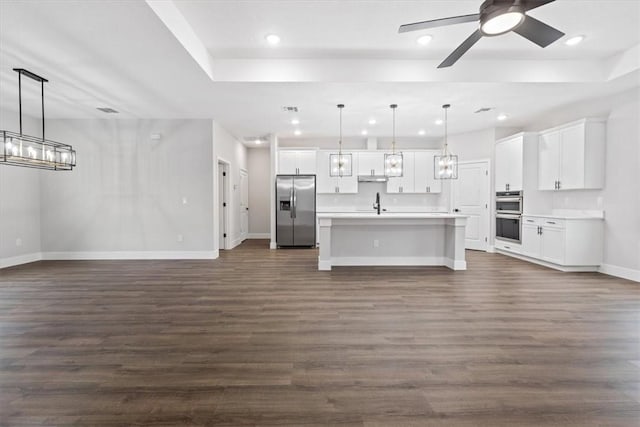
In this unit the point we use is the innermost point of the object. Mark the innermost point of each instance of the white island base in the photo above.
(391, 239)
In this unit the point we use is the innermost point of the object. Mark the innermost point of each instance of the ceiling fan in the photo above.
(496, 17)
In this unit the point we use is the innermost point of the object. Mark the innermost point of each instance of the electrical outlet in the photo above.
(180, 237)
(376, 243)
(18, 241)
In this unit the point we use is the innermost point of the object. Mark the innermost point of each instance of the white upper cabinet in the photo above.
(509, 162)
(404, 183)
(571, 157)
(326, 184)
(297, 162)
(371, 163)
(424, 181)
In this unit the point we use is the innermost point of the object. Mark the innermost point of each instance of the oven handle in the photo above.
(508, 199)
(508, 216)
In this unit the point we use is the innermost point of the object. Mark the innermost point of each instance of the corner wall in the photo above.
(258, 160)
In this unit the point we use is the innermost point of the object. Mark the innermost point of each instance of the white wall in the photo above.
(20, 239)
(230, 149)
(258, 162)
(128, 192)
(620, 198)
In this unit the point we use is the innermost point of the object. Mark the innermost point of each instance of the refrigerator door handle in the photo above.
(295, 201)
(291, 202)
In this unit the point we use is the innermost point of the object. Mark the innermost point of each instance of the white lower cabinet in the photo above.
(563, 242)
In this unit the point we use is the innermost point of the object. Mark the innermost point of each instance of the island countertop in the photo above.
(388, 215)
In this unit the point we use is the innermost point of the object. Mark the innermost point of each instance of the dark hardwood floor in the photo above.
(261, 337)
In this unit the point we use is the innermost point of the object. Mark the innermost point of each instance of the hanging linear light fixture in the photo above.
(446, 165)
(340, 164)
(30, 151)
(393, 161)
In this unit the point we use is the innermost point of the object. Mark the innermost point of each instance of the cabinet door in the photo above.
(553, 245)
(548, 160)
(502, 166)
(306, 162)
(287, 162)
(424, 181)
(371, 161)
(572, 158)
(530, 240)
(324, 183)
(515, 164)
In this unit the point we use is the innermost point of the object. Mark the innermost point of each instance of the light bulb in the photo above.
(502, 23)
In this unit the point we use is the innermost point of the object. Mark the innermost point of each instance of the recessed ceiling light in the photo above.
(258, 141)
(364, 132)
(295, 122)
(424, 40)
(438, 122)
(502, 117)
(372, 121)
(297, 132)
(574, 40)
(272, 39)
(421, 132)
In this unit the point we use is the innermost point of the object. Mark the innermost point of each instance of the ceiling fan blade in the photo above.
(532, 4)
(439, 23)
(462, 49)
(538, 32)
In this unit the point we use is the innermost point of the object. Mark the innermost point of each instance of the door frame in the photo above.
(489, 187)
(226, 188)
(244, 236)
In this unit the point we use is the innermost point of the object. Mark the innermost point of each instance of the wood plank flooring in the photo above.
(260, 337)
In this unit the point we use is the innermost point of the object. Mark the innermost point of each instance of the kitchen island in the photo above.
(366, 238)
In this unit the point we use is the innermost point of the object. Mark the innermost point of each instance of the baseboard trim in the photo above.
(273, 245)
(621, 272)
(20, 259)
(563, 268)
(129, 255)
(491, 249)
(259, 236)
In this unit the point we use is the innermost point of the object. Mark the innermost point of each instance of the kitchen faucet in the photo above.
(376, 205)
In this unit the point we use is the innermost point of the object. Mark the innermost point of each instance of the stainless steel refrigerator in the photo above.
(296, 210)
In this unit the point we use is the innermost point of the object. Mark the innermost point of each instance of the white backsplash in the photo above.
(366, 197)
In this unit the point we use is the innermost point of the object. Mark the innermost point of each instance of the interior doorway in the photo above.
(223, 205)
(244, 204)
(470, 196)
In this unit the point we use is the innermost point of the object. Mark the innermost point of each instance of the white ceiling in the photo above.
(121, 55)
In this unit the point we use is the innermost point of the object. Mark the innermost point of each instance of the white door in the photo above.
(244, 204)
(471, 198)
(531, 242)
(515, 163)
(287, 160)
(553, 245)
(572, 158)
(502, 166)
(371, 163)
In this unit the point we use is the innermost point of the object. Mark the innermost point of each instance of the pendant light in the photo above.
(19, 149)
(393, 160)
(340, 164)
(445, 166)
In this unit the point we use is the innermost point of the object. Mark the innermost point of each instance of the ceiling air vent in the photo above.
(107, 110)
(290, 109)
(483, 110)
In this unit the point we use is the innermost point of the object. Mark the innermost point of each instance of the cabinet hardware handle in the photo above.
(550, 222)
(529, 220)
(507, 247)
(559, 185)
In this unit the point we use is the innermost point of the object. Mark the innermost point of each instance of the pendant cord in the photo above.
(446, 131)
(340, 142)
(42, 97)
(20, 99)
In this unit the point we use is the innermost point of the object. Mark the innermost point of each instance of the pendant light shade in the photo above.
(340, 164)
(393, 161)
(19, 149)
(445, 166)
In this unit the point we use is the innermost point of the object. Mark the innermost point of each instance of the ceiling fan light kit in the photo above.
(496, 17)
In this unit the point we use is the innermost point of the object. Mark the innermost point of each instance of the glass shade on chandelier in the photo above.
(445, 166)
(393, 166)
(19, 149)
(29, 151)
(340, 164)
